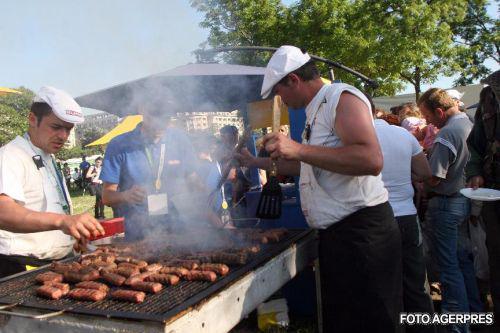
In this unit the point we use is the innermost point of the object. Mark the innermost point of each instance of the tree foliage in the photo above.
(77, 152)
(394, 41)
(14, 109)
(478, 39)
(90, 134)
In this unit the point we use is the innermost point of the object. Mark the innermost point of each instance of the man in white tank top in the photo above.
(342, 194)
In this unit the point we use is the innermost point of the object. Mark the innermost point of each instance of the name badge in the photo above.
(158, 204)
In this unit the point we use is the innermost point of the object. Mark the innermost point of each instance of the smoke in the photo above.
(186, 89)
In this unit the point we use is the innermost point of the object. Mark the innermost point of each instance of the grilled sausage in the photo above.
(150, 287)
(128, 264)
(152, 268)
(137, 278)
(129, 295)
(220, 269)
(179, 271)
(60, 267)
(93, 285)
(49, 292)
(107, 258)
(112, 278)
(120, 259)
(201, 276)
(140, 263)
(63, 286)
(163, 278)
(189, 264)
(100, 266)
(48, 276)
(83, 274)
(87, 294)
(127, 271)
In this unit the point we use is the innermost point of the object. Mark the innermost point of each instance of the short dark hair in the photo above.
(98, 159)
(306, 72)
(40, 110)
(229, 129)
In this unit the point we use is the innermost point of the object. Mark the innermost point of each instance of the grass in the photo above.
(85, 203)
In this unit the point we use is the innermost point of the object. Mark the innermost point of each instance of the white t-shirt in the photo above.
(22, 181)
(328, 197)
(398, 147)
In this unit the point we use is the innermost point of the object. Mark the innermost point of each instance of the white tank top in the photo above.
(328, 197)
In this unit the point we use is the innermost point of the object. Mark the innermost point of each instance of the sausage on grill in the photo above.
(220, 269)
(112, 278)
(93, 285)
(152, 268)
(189, 264)
(120, 259)
(150, 287)
(140, 263)
(201, 276)
(128, 264)
(48, 276)
(59, 285)
(49, 292)
(83, 274)
(137, 278)
(179, 271)
(87, 294)
(60, 267)
(129, 295)
(163, 278)
(127, 271)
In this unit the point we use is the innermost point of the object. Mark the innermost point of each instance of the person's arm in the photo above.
(112, 197)
(360, 153)
(420, 168)
(440, 160)
(16, 218)
(90, 172)
(285, 167)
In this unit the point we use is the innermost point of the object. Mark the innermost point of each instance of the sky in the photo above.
(84, 46)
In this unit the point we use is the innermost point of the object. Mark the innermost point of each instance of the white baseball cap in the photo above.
(61, 103)
(285, 60)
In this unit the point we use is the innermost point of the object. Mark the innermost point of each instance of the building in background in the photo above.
(71, 142)
(209, 121)
(102, 121)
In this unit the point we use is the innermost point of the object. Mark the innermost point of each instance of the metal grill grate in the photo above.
(158, 307)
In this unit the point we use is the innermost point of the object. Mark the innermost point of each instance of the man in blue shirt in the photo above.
(144, 170)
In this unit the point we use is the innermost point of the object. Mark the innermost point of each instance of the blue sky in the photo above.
(83, 46)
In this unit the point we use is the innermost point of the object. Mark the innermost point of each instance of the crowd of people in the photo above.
(382, 189)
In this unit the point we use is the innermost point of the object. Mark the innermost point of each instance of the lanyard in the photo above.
(57, 177)
(161, 164)
(224, 202)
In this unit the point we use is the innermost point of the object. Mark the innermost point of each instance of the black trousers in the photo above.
(10, 265)
(491, 217)
(415, 298)
(360, 267)
(99, 206)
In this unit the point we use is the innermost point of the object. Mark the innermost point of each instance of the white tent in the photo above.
(471, 97)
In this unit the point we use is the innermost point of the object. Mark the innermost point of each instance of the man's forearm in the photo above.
(285, 167)
(16, 218)
(353, 160)
(112, 198)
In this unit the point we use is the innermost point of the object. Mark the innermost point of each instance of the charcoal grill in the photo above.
(177, 308)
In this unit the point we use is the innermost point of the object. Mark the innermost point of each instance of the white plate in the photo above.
(481, 194)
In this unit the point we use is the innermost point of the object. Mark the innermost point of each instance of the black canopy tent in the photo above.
(194, 88)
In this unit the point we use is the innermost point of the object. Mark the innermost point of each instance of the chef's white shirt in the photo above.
(22, 181)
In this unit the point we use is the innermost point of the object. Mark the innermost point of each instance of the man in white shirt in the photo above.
(404, 161)
(342, 194)
(35, 223)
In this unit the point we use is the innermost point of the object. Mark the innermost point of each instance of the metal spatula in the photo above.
(269, 206)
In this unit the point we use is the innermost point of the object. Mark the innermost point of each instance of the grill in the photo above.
(172, 300)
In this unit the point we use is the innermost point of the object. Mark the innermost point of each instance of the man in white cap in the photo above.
(342, 194)
(35, 224)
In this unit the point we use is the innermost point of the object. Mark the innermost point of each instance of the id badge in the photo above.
(157, 204)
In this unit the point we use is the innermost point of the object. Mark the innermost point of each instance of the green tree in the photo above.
(14, 109)
(91, 134)
(478, 39)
